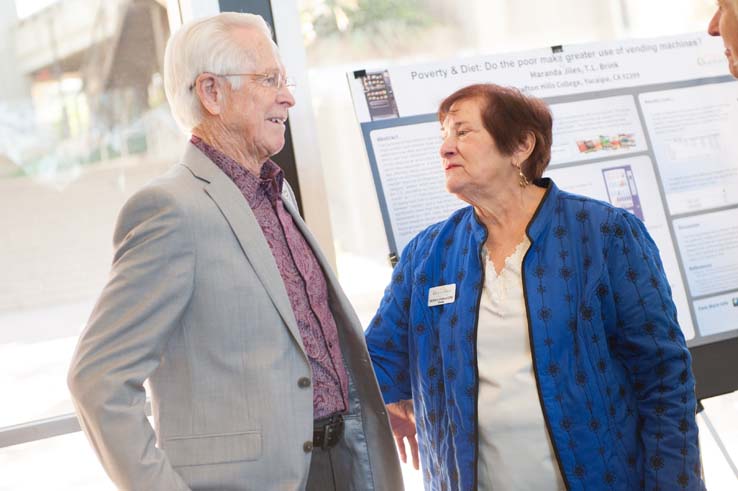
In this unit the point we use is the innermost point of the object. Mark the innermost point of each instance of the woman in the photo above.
(534, 330)
(725, 23)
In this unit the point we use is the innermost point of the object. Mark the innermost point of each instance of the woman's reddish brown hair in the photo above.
(508, 116)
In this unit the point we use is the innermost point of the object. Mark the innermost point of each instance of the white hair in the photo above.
(205, 45)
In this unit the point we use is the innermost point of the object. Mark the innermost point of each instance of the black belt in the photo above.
(327, 431)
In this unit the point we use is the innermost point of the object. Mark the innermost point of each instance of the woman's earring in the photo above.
(522, 180)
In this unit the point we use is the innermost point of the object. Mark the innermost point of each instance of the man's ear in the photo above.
(211, 93)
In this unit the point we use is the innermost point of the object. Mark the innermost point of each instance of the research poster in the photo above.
(649, 125)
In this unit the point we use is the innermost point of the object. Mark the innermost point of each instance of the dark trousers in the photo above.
(327, 470)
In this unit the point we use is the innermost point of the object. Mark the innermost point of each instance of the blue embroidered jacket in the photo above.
(610, 360)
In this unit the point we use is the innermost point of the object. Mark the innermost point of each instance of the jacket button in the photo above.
(303, 382)
(307, 447)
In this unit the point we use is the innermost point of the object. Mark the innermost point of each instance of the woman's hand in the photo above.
(402, 419)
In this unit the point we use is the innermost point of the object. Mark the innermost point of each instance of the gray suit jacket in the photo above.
(195, 305)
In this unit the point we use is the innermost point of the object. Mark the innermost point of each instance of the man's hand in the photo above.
(402, 419)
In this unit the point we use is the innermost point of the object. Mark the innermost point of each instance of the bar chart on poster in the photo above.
(648, 125)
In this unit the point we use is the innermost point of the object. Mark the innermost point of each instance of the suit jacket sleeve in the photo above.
(652, 347)
(149, 287)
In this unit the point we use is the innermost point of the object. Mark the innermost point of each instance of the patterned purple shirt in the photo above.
(303, 278)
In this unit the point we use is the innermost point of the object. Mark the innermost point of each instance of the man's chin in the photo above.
(733, 67)
(276, 149)
(280, 145)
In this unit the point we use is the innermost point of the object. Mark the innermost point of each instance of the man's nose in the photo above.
(285, 96)
(713, 29)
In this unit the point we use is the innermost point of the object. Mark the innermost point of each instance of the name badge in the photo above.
(439, 295)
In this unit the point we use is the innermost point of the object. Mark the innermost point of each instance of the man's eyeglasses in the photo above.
(268, 80)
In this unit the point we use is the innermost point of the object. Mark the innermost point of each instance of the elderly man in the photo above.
(219, 296)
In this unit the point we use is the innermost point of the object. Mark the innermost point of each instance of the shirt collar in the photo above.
(268, 184)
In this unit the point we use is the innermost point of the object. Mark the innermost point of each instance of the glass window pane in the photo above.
(83, 124)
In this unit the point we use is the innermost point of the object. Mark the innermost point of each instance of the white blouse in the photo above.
(515, 452)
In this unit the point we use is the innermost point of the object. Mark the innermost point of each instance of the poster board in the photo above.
(650, 125)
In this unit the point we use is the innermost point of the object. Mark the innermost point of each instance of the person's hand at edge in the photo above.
(402, 419)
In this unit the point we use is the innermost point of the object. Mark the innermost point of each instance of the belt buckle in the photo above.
(331, 432)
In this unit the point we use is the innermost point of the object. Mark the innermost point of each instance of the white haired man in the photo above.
(220, 298)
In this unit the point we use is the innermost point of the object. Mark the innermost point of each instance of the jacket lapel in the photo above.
(242, 221)
(347, 322)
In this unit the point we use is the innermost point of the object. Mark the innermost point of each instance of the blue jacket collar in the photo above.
(546, 208)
